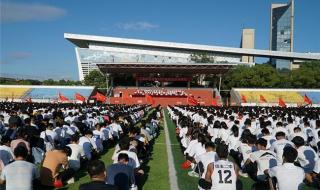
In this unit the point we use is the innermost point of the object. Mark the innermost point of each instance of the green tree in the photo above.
(95, 78)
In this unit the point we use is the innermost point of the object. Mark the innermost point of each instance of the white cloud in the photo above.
(137, 26)
(20, 55)
(19, 12)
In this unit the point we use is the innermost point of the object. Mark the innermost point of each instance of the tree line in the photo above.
(258, 76)
(266, 76)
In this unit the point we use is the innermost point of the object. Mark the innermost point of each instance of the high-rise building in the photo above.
(247, 42)
(281, 32)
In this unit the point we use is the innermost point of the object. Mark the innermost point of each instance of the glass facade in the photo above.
(281, 32)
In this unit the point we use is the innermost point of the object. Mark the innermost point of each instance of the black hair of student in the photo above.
(252, 139)
(95, 168)
(216, 124)
(75, 137)
(123, 156)
(265, 131)
(290, 120)
(262, 142)
(280, 134)
(247, 122)
(224, 125)
(21, 151)
(235, 130)
(222, 151)
(88, 132)
(244, 135)
(210, 144)
(290, 154)
(237, 122)
(124, 144)
(298, 141)
(297, 128)
(5, 139)
(66, 149)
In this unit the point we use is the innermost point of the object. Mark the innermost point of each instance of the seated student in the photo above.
(54, 161)
(121, 174)
(313, 178)
(20, 173)
(260, 160)
(205, 159)
(278, 145)
(288, 175)
(307, 157)
(6, 154)
(77, 152)
(88, 144)
(221, 174)
(97, 173)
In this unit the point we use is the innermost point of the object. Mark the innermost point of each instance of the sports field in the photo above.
(156, 170)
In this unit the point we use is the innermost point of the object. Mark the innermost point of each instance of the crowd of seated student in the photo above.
(273, 146)
(160, 93)
(65, 138)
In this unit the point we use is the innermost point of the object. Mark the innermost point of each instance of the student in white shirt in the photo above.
(77, 152)
(279, 144)
(287, 174)
(49, 137)
(221, 174)
(307, 157)
(6, 154)
(88, 144)
(206, 158)
(264, 160)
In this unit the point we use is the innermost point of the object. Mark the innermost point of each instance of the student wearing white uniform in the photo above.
(279, 144)
(307, 157)
(264, 158)
(288, 175)
(221, 174)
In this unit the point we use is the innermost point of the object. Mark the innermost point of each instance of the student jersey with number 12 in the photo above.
(223, 176)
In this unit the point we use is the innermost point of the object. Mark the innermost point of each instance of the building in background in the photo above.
(247, 42)
(281, 32)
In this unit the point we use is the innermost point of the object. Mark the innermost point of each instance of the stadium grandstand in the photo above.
(271, 97)
(43, 93)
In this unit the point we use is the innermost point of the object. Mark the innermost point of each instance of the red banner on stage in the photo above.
(164, 79)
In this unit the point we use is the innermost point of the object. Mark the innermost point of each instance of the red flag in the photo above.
(262, 99)
(282, 103)
(243, 98)
(79, 97)
(99, 97)
(149, 99)
(192, 100)
(307, 99)
(29, 100)
(62, 98)
(214, 102)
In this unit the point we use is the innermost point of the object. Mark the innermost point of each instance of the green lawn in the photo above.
(156, 170)
(186, 182)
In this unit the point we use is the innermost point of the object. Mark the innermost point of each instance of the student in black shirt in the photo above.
(97, 172)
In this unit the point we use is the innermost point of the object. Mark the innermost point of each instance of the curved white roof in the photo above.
(83, 41)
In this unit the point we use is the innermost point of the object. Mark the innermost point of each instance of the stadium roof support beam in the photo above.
(164, 68)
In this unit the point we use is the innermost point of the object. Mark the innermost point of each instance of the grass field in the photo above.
(156, 170)
(186, 182)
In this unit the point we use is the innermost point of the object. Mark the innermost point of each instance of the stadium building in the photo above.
(156, 67)
(114, 55)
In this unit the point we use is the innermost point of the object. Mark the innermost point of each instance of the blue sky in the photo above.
(32, 43)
